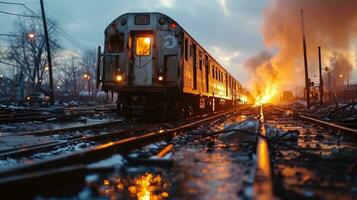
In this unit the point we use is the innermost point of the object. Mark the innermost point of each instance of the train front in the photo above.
(141, 62)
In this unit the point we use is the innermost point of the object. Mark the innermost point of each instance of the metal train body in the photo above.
(157, 68)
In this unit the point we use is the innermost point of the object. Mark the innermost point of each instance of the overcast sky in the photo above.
(228, 29)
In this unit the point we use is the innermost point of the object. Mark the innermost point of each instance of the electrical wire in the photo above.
(55, 27)
(19, 15)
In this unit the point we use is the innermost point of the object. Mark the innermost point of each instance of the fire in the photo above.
(267, 95)
(146, 185)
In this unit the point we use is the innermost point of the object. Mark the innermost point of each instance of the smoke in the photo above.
(252, 63)
(331, 24)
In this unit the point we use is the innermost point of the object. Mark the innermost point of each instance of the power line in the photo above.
(9, 35)
(19, 15)
(19, 4)
(55, 27)
(66, 13)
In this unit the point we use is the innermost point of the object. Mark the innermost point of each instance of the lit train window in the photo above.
(116, 43)
(143, 45)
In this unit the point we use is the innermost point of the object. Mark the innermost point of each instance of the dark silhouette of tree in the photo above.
(29, 53)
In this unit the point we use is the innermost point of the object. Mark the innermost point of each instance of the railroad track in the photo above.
(287, 164)
(319, 162)
(43, 114)
(119, 142)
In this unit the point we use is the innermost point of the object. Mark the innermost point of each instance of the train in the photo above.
(158, 69)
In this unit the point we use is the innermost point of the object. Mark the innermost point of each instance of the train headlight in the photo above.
(119, 78)
(160, 78)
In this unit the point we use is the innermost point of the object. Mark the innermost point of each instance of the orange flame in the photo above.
(145, 185)
(266, 96)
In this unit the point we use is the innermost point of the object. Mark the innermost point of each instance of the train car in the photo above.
(157, 68)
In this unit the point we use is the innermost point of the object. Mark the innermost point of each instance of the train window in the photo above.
(191, 50)
(216, 74)
(116, 43)
(142, 19)
(212, 71)
(200, 64)
(143, 45)
(186, 49)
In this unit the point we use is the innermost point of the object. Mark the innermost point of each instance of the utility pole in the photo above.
(321, 79)
(307, 82)
(49, 59)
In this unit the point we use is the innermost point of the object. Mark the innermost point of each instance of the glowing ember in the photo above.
(146, 185)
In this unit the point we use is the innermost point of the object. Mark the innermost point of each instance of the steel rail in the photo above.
(73, 128)
(102, 151)
(328, 124)
(321, 122)
(47, 147)
(263, 184)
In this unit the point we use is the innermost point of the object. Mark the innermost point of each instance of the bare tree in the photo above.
(88, 62)
(341, 71)
(28, 50)
(68, 75)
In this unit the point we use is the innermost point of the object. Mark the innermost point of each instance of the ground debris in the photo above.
(276, 133)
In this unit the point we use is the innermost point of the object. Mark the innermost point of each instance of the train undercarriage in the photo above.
(167, 105)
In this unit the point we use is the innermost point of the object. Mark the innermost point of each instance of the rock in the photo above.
(319, 137)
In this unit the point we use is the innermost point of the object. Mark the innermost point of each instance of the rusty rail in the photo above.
(321, 122)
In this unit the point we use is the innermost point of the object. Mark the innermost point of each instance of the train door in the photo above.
(207, 73)
(194, 66)
(142, 57)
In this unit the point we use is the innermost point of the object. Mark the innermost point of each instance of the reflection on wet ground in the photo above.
(205, 166)
(215, 167)
(136, 183)
(214, 170)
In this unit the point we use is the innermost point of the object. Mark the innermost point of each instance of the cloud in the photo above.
(223, 4)
(166, 3)
(224, 57)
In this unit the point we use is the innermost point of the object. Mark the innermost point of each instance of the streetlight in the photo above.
(31, 35)
(87, 77)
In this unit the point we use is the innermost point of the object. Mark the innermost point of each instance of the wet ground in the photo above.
(308, 162)
(319, 164)
(202, 165)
